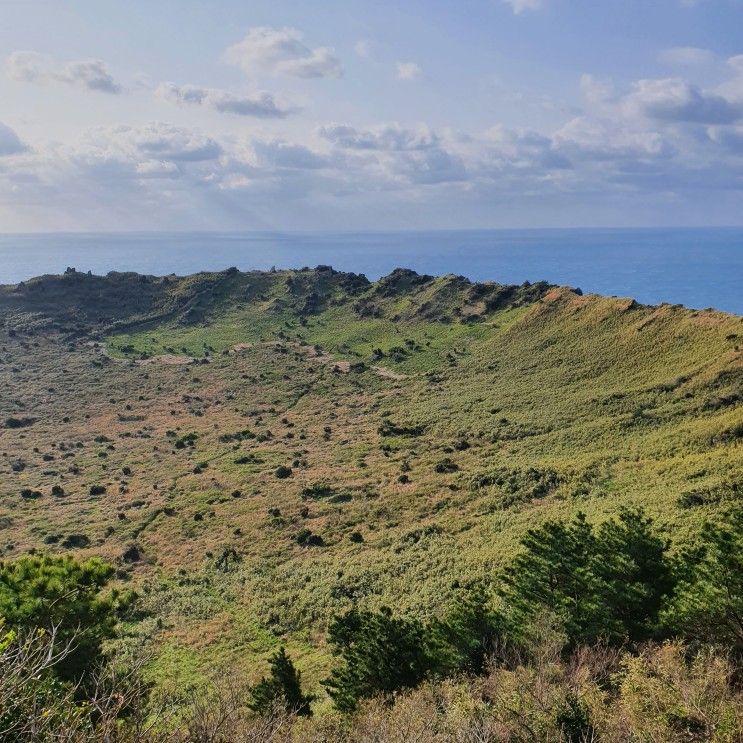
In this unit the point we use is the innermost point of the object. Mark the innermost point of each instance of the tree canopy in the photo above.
(283, 687)
(41, 592)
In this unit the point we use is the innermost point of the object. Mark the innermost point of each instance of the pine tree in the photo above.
(41, 592)
(467, 636)
(602, 585)
(708, 604)
(282, 687)
(555, 574)
(633, 564)
(381, 655)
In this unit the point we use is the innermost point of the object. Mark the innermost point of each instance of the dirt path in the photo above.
(389, 374)
(170, 359)
(341, 365)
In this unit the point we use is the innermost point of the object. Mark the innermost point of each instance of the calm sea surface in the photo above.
(696, 267)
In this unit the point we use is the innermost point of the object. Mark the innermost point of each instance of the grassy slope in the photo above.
(549, 402)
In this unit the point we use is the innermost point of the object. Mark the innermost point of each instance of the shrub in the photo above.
(668, 694)
(18, 422)
(306, 538)
(573, 720)
(75, 541)
(519, 485)
(97, 489)
(388, 428)
(282, 472)
(380, 655)
(243, 435)
(607, 585)
(188, 439)
(46, 592)
(317, 490)
(133, 553)
(282, 687)
(446, 466)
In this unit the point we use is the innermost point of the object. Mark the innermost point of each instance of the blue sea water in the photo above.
(696, 267)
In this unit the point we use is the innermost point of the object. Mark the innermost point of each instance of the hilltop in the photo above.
(256, 451)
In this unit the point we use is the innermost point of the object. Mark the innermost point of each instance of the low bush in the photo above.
(446, 466)
(388, 428)
(19, 422)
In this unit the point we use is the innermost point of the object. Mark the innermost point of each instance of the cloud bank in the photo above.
(668, 142)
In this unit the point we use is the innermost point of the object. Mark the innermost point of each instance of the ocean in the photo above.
(696, 267)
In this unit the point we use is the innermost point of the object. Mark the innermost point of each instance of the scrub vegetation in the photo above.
(527, 495)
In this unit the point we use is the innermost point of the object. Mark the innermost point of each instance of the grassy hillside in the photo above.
(259, 450)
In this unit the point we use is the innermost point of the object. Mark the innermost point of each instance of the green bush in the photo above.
(388, 428)
(380, 655)
(708, 602)
(446, 466)
(41, 592)
(282, 687)
(602, 585)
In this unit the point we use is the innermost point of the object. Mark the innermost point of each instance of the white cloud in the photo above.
(288, 155)
(731, 138)
(10, 144)
(736, 63)
(362, 48)
(603, 139)
(668, 100)
(388, 137)
(260, 105)
(519, 6)
(595, 90)
(511, 151)
(156, 169)
(90, 74)
(173, 175)
(687, 56)
(156, 141)
(675, 100)
(408, 71)
(281, 51)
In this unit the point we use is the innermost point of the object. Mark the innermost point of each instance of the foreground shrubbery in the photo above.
(591, 634)
(662, 693)
(63, 595)
(573, 585)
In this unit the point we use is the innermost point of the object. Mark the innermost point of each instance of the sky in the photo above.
(416, 114)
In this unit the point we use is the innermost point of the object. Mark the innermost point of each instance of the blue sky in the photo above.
(370, 115)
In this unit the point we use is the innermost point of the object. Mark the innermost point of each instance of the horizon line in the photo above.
(279, 231)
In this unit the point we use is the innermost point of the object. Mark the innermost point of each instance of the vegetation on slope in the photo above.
(259, 452)
(563, 654)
